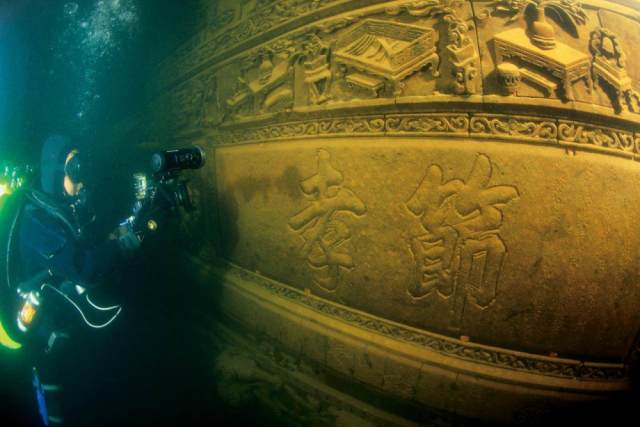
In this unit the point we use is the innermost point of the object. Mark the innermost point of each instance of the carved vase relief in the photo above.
(461, 252)
(321, 225)
(539, 58)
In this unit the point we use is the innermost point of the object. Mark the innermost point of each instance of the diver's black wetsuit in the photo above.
(46, 242)
(50, 237)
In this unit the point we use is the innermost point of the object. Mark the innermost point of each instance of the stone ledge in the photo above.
(391, 358)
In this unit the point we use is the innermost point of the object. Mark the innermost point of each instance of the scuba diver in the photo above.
(54, 260)
(53, 231)
(60, 261)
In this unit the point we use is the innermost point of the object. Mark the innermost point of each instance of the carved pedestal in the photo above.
(409, 247)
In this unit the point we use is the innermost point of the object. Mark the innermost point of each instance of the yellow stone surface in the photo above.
(386, 178)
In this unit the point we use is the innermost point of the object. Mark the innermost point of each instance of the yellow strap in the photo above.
(6, 340)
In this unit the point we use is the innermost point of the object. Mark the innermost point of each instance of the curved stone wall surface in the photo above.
(445, 189)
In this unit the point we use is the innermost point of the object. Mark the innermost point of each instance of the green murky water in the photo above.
(79, 69)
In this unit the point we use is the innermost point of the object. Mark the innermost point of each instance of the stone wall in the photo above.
(431, 200)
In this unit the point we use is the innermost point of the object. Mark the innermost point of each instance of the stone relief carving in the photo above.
(339, 126)
(315, 59)
(264, 83)
(463, 56)
(281, 75)
(257, 372)
(304, 69)
(608, 68)
(211, 111)
(241, 378)
(509, 77)
(558, 68)
(198, 103)
(188, 99)
(462, 53)
(353, 126)
(368, 57)
(460, 251)
(567, 13)
(326, 235)
(375, 52)
(533, 54)
(251, 374)
(256, 18)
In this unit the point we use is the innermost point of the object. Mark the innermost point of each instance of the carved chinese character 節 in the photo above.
(460, 250)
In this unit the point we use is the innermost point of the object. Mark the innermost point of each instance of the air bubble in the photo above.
(70, 8)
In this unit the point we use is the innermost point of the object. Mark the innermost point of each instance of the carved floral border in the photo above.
(536, 130)
(530, 363)
(606, 139)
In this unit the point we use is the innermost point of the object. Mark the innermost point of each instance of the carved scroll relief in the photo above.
(608, 68)
(460, 252)
(326, 235)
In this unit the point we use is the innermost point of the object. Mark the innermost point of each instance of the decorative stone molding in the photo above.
(607, 139)
(537, 364)
(514, 127)
(428, 124)
(521, 129)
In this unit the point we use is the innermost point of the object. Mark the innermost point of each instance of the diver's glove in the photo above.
(128, 241)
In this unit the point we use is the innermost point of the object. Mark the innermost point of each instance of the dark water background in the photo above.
(79, 68)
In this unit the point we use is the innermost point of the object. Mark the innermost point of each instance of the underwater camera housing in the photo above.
(167, 165)
(165, 189)
(178, 160)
